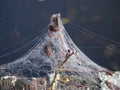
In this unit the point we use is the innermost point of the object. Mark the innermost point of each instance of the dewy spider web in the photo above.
(52, 49)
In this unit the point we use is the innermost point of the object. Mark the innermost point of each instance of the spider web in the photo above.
(48, 53)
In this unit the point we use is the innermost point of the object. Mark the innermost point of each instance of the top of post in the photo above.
(54, 22)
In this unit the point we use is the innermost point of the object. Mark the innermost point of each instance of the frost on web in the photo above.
(49, 52)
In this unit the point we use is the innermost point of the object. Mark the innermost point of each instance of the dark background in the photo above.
(21, 19)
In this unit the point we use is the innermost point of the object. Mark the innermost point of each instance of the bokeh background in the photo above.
(20, 20)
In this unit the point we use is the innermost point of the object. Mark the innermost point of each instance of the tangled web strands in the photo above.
(50, 51)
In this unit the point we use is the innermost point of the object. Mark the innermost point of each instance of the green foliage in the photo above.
(109, 50)
(65, 20)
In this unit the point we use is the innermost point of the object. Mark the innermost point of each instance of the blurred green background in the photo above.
(20, 19)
